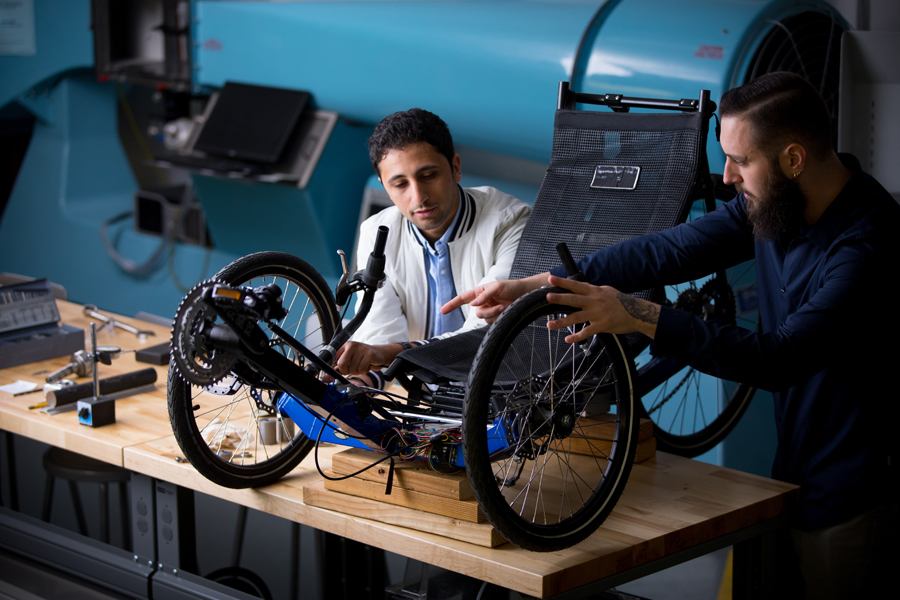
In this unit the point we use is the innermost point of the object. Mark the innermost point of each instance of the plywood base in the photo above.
(465, 510)
(480, 534)
(408, 474)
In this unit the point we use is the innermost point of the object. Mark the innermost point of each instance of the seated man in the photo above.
(824, 236)
(443, 239)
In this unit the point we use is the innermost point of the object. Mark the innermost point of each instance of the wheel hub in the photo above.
(564, 420)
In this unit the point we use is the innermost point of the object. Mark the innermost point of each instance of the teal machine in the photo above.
(96, 96)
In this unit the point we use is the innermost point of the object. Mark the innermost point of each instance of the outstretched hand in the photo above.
(356, 358)
(490, 299)
(606, 309)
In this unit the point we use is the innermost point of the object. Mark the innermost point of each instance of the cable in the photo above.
(129, 266)
(170, 263)
(319, 440)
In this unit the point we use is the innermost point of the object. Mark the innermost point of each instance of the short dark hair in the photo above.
(782, 108)
(401, 129)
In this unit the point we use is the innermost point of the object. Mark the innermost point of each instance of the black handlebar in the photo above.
(572, 270)
(368, 280)
(380, 241)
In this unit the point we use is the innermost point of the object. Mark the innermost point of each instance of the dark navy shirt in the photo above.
(827, 344)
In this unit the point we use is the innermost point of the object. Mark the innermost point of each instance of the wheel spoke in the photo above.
(691, 424)
(540, 386)
(235, 421)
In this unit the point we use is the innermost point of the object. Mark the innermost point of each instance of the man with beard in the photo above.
(825, 237)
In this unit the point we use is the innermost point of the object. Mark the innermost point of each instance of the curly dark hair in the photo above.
(401, 129)
(782, 108)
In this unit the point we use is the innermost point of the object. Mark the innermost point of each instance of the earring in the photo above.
(797, 173)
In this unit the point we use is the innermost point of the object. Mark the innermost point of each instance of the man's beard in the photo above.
(778, 208)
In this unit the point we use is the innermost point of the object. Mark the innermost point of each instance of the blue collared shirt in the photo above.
(828, 326)
(441, 288)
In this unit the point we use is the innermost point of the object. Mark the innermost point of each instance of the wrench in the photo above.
(91, 311)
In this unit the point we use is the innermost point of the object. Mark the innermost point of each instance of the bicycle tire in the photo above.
(677, 430)
(540, 398)
(193, 410)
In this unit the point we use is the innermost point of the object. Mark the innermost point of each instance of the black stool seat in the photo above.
(74, 468)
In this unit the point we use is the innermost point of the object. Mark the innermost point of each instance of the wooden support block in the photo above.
(408, 474)
(603, 427)
(465, 510)
(645, 450)
(593, 437)
(481, 534)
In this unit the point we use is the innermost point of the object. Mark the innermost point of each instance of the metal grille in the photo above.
(808, 43)
(568, 209)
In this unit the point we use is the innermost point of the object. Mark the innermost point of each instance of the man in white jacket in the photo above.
(443, 239)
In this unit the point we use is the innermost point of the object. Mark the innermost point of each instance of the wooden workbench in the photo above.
(670, 506)
(139, 418)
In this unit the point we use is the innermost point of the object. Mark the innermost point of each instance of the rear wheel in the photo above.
(549, 428)
(231, 431)
(692, 411)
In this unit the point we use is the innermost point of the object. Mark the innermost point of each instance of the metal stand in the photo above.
(99, 410)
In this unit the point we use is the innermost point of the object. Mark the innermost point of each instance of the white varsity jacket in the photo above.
(482, 248)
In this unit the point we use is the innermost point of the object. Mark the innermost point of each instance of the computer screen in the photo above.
(251, 122)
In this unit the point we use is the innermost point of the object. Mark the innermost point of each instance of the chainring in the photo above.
(714, 301)
(197, 361)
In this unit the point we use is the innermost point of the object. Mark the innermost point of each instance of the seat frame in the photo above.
(415, 367)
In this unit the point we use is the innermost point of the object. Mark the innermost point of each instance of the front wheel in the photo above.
(549, 428)
(231, 431)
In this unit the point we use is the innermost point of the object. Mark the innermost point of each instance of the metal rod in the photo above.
(425, 417)
(94, 359)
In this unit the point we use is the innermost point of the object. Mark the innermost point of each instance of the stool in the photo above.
(74, 468)
(11, 470)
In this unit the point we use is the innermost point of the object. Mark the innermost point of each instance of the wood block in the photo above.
(593, 437)
(408, 474)
(316, 494)
(603, 427)
(645, 450)
(465, 510)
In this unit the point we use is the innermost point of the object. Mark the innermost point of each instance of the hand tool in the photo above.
(91, 311)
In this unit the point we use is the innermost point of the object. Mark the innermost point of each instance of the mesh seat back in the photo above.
(667, 150)
(568, 209)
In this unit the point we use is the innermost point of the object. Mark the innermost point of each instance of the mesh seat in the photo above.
(585, 201)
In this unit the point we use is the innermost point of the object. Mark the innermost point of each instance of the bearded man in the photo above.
(825, 238)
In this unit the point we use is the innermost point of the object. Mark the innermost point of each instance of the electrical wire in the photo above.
(168, 242)
(319, 441)
(170, 262)
(131, 267)
(423, 448)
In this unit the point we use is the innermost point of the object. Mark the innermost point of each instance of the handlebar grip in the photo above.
(380, 241)
(572, 270)
(397, 366)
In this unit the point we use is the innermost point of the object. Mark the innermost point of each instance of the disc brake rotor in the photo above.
(197, 361)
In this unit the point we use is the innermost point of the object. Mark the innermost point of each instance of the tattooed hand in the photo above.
(606, 309)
